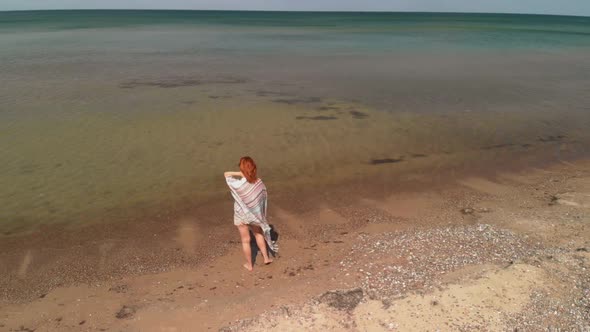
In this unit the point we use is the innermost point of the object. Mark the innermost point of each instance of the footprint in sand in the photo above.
(574, 199)
(104, 249)
(406, 207)
(24, 265)
(291, 222)
(485, 186)
(187, 235)
(331, 217)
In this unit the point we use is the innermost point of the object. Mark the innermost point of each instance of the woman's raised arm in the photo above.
(229, 173)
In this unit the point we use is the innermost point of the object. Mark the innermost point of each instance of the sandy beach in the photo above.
(492, 252)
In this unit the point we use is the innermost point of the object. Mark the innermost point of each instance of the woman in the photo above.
(249, 193)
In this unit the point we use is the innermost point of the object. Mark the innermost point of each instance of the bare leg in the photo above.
(245, 236)
(261, 242)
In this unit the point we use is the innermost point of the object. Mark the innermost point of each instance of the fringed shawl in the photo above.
(252, 201)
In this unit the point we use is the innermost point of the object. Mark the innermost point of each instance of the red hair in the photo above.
(248, 168)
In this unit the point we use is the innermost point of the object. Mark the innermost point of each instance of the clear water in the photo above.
(105, 114)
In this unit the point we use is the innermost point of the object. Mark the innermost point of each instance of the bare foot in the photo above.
(248, 267)
(267, 261)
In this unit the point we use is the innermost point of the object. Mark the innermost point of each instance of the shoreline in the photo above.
(529, 216)
(191, 237)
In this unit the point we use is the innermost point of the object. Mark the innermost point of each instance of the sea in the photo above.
(110, 114)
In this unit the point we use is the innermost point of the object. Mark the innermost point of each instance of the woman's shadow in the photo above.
(274, 236)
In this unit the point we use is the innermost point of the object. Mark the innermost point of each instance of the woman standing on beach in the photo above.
(249, 193)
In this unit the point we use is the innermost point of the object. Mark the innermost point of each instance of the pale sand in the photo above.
(472, 304)
(517, 257)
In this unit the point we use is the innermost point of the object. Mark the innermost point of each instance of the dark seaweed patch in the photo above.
(358, 115)
(126, 312)
(294, 101)
(119, 289)
(319, 117)
(29, 168)
(265, 93)
(177, 82)
(551, 138)
(497, 146)
(160, 83)
(286, 101)
(386, 161)
(342, 299)
(328, 108)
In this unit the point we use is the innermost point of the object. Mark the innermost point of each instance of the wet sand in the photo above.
(486, 251)
(188, 233)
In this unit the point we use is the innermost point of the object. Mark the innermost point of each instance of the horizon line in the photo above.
(290, 11)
